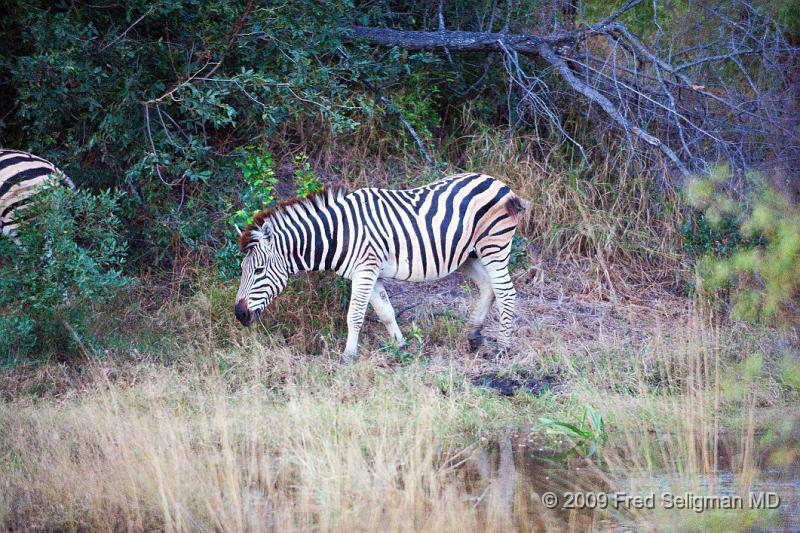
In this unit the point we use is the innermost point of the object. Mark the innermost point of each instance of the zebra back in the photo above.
(22, 175)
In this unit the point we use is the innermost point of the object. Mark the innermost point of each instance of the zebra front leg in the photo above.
(383, 308)
(363, 283)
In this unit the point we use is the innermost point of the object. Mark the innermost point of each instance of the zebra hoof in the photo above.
(348, 358)
(501, 352)
(475, 340)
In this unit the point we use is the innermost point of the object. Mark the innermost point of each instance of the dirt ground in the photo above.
(557, 302)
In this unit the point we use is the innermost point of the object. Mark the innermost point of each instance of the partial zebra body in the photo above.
(463, 222)
(22, 175)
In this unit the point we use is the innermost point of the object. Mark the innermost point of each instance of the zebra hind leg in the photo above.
(494, 259)
(506, 299)
(473, 269)
(383, 308)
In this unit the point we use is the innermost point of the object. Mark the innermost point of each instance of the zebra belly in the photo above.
(403, 270)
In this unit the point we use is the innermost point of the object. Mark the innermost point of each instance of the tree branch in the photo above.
(691, 110)
(548, 55)
(471, 41)
(461, 41)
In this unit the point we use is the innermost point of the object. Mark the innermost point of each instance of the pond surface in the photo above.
(525, 485)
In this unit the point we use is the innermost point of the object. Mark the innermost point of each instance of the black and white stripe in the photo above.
(463, 222)
(22, 175)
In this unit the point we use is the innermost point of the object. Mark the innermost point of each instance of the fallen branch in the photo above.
(458, 41)
(590, 93)
(674, 100)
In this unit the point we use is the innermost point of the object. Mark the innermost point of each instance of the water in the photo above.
(525, 485)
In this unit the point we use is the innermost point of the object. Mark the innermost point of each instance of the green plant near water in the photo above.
(589, 433)
(71, 258)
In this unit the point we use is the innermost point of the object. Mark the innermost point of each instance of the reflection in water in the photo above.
(500, 482)
(509, 476)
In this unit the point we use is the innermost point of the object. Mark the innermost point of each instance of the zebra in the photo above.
(463, 222)
(22, 175)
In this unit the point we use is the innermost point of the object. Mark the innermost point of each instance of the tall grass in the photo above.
(701, 401)
(184, 452)
(613, 210)
(258, 438)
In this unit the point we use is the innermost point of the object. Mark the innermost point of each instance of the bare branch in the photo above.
(129, 28)
(630, 4)
(411, 131)
(551, 57)
(684, 101)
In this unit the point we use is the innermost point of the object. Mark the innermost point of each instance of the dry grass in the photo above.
(241, 434)
(355, 449)
(721, 431)
(613, 212)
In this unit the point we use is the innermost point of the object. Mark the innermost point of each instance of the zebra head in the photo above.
(265, 272)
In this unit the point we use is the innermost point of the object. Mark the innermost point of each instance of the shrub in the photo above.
(763, 270)
(256, 194)
(71, 258)
(305, 178)
(258, 174)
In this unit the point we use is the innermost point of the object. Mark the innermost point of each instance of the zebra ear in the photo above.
(266, 231)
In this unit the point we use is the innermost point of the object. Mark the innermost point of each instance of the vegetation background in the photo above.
(658, 267)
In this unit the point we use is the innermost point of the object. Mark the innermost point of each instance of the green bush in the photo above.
(256, 194)
(305, 178)
(720, 237)
(762, 270)
(105, 94)
(70, 258)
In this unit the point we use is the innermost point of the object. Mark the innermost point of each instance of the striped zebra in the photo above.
(463, 222)
(22, 175)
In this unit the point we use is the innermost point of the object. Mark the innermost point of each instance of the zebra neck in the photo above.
(307, 235)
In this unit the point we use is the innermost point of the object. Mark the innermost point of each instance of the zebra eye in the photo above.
(259, 271)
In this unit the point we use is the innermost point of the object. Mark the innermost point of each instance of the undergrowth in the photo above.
(255, 435)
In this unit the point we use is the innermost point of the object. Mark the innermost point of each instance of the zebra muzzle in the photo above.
(243, 314)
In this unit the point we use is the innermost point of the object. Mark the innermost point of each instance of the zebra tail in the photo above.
(516, 206)
(66, 179)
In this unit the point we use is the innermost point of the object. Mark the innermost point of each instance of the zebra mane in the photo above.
(252, 232)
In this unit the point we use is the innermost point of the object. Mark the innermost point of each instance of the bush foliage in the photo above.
(155, 98)
(70, 259)
(762, 266)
